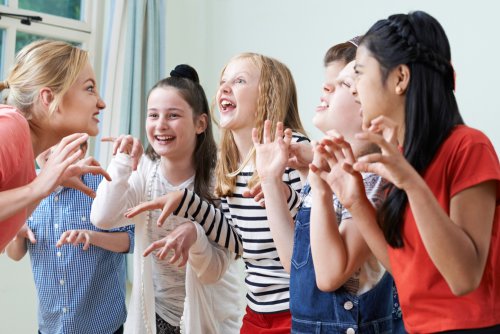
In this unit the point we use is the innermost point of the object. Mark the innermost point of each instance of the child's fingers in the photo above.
(62, 239)
(267, 131)
(31, 235)
(288, 137)
(279, 131)
(175, 256)
(164, 215)
(155, 245)
(162, 254)
(108, 139)
(146, 206)
(348, 168)
(184, 258)
(117, 143)
(86, 241)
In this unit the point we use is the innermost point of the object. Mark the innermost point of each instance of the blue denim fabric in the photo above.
(314, 311)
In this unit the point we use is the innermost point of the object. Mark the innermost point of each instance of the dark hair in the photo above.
(431, 111)
(185, 79)
(340, 52)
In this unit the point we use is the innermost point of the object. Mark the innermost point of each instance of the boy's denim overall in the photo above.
(314, 311)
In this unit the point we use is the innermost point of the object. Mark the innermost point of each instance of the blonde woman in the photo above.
(51, 98)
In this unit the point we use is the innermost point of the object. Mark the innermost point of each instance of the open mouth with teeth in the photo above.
(164, 139)
(322, 107)
(226, 105)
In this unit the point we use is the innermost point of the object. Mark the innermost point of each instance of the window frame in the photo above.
(80, 31)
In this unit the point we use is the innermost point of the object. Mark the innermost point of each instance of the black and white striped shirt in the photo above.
(242, 227)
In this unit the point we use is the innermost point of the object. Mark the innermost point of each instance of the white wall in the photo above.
(206, 33)
(18, 303)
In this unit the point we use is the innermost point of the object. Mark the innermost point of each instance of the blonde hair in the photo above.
(43, 63)
(277, 102)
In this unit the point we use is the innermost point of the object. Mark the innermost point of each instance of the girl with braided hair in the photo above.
(438, 229)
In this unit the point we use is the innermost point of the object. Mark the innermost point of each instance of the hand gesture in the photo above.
(271, 156)
(389, 163)
(318, 162)
(345, 182)
(26, 233)
(66, 153)
(72, 175)
(300, 155)
(179, 241)
(128, 145)
(75, 237)
(167, 203)
(258, 195)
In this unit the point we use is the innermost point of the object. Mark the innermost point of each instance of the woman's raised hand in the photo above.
(62, 168)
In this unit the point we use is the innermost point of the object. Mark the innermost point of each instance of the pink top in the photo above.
(17, 164)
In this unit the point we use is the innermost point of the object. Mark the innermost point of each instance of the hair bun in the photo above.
(185, 71)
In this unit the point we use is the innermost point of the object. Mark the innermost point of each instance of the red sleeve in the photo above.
(475, 161)
(15, 143)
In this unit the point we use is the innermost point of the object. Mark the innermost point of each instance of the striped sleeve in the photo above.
(292, 178)
(216, 223)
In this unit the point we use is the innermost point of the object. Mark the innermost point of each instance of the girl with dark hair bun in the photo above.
(252, 88)
(181, 155)
(438, 230)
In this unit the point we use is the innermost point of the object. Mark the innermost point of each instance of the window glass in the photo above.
(24, 38)
(68, 8)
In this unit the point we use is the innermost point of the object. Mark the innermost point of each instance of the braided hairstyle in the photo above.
(431, 111)
(185, 79)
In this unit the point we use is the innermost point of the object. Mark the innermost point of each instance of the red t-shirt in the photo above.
(465, 159)
(17, 164)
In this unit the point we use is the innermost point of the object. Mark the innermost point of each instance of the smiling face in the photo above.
(332, 71)
(238, 94)
(80, 106)
(171, 127)
(343, 112)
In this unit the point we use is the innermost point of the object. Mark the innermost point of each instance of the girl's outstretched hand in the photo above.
(129, 145)
(390, 162)
(345, 182)
(167, 203)
(272, 155)
(179, 241)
